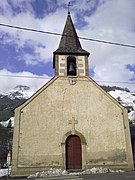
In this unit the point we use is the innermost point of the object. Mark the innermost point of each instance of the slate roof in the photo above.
(69, 43)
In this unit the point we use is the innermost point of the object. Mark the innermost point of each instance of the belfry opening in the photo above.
(71, 66)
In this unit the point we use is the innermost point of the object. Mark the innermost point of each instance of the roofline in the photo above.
(111, 97)
(21, 106)
(73, 53)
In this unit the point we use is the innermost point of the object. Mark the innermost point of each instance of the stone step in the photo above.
(61, 178)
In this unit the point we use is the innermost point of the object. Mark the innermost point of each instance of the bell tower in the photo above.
(70, 59)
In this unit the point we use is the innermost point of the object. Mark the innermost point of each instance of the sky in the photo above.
(30, 54)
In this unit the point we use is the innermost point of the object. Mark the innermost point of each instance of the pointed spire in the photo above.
(69, 43)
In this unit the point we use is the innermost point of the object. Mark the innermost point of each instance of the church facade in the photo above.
(71, 122)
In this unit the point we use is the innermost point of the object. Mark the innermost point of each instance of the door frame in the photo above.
(83, 144)
(75, 144)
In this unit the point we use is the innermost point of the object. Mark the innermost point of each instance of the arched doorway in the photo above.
(73, 152)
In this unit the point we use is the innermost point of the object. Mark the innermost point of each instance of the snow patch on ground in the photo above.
(59, 172)
(5, 172)
(131, 115)
(6, 123)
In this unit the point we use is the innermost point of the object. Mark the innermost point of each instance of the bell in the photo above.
(71, 68)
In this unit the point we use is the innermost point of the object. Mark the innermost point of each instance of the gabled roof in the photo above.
(69, 43)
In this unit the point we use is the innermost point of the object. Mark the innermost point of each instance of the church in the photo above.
(71, 122)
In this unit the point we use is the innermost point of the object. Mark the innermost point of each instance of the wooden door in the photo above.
(73, 152)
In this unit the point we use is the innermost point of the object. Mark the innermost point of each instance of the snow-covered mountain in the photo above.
(20, 93)
(127, 99)
(10, 100)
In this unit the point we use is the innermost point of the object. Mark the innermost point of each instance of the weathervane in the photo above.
(69, 4)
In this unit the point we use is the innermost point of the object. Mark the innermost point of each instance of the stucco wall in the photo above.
(43, 121)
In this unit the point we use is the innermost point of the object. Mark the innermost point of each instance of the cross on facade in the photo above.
(73, 122)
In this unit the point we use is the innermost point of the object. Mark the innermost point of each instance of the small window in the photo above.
(71, 66)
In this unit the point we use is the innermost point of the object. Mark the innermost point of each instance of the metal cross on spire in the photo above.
(69, 4)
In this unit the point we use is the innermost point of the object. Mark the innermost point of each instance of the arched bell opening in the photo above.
(71, 66)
